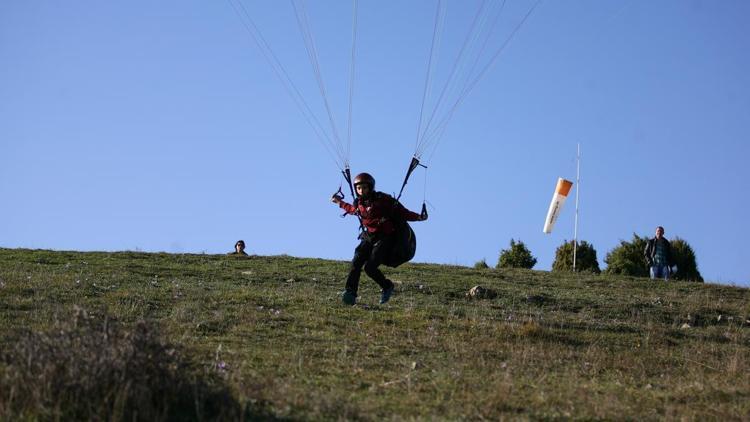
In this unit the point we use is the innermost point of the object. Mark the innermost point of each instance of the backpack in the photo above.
(404, 245)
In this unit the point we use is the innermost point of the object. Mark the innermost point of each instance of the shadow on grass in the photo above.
(92, 368)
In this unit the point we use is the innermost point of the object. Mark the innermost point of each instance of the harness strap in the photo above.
(412, 166)
(348, 176)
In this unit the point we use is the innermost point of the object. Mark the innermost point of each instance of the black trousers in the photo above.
(370, 253)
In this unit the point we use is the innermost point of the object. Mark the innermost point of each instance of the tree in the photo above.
(628, 258)
(585, 257)
(684, 257)
(518, 256)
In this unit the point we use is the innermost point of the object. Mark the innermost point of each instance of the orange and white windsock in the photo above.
(558, 199)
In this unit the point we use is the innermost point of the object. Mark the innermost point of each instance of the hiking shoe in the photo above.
(348, 298)
(386, 295)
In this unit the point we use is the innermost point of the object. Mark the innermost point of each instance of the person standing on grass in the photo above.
(659, 255)
(379, 213)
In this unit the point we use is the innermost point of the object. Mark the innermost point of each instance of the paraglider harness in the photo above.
(405, 241)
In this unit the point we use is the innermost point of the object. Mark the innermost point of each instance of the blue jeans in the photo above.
(660, 271)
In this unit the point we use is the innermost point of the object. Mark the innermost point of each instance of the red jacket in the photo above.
(379, 211)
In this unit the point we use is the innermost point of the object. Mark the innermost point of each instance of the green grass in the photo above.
(550, 345)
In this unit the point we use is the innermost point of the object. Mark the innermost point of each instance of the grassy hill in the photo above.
(267, 337)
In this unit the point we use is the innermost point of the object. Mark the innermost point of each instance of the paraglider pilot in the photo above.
(379, 213)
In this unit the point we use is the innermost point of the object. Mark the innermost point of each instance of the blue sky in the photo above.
(158, 126)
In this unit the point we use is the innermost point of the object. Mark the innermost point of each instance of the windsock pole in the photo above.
(575, 226)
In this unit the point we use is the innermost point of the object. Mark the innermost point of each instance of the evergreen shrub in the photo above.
(517, 256)
(627, 258)
(481, 265)
(684, 257)
(585, 258)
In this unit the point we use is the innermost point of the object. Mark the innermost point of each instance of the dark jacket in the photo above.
(650, 251)
(379, 212)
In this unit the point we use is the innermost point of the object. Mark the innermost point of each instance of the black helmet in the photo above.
(366, 179)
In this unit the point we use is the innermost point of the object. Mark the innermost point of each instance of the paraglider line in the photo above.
(428, 78)
(288, 84)
(303, 23)
(439, 129)
(453, 69)
(351, 79)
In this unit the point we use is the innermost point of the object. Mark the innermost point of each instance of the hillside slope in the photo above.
(273, 331)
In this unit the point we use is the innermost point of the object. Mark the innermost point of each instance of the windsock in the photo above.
(558, 199)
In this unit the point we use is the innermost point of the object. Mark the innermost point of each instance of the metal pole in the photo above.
(578, 184)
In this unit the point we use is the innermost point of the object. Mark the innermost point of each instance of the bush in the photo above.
(518, 256)
(585, 258)
(628, 258)
(94, 369)
(481, 265)
(684, 257)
